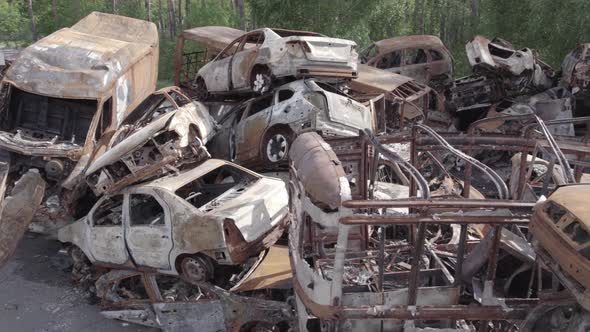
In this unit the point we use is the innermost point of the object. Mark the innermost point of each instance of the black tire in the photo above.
(261, 80)
(196, 268)
(201, 92)
(275, 146)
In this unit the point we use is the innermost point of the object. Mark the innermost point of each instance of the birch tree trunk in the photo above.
(33, 26)
(160, 18)
(114, 6)
(171, 19)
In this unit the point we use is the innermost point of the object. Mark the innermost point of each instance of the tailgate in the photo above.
(327, 49)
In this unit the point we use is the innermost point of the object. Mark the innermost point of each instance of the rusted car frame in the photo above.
(66, 91)
(194, 48)
(165, 133)
(422, 57)
(575, 69)
(173, 304)
(517, 69)
(342, 230)
(184, 224)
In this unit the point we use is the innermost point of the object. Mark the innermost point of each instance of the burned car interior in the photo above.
(287, 183)
(206, 192)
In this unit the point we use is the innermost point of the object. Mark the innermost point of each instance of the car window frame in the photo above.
(407, 50)
(165, 208)
(90, 217)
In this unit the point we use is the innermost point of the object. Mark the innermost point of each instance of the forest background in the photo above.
(552, 27)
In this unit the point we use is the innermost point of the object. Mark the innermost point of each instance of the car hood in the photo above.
(178, 120)
(258, 209)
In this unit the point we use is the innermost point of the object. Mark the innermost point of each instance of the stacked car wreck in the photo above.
(289, 183)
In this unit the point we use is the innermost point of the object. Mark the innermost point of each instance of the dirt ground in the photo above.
(36, 294)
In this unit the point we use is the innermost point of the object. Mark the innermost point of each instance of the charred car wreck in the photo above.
(408, 208)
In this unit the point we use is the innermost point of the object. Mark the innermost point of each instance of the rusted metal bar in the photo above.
(493, 257)
(431, 203)
(501, 187)
(381, 257)
(547, 177)
(420, 220)
(455, 312)
(460, 254)
(415, 271)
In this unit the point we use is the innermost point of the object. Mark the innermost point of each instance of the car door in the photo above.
(244, 59)
(148, 230)
(107, 240)
(218, 74)
(250, 129)
(415, 65)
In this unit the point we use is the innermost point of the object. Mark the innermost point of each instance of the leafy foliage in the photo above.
(552, 27)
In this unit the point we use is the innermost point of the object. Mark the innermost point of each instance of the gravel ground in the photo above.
(36, 294)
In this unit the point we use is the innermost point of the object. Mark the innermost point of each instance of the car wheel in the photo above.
(276, 146)
(261, 80)
(196, 268)
(201, 92)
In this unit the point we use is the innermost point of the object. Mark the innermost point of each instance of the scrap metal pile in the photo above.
(288, 183)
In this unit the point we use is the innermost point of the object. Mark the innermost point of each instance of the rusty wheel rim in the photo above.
(195, 269)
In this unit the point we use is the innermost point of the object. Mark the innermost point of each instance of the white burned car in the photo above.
(254, 60)
(215, 214)
(164, 133)
(260, 130)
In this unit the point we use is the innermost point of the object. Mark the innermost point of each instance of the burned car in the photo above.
(260, 131)
(216, 214)
(575, 69)
(166, 132)
(253, 61)
(516, 69)
(424, 58)
(66, 91)
(173, 304)
(561, 229)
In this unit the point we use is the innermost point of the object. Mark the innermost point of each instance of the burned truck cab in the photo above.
(70, 89)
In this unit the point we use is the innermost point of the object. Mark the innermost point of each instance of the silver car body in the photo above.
(232, 218)
(295, 107)
(299, 54)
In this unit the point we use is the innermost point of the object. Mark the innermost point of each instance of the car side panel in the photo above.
(216, 75)
(107, 243)
(241, 68)
(249, 134)
(150, 245)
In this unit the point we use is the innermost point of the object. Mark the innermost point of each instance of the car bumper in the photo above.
(26, 147)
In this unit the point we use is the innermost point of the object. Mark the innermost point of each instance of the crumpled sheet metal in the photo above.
(18, 209)
(318, 168)
(215, 37)
(84, 61)
(272, 271)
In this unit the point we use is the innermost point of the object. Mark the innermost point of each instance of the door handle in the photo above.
(117, 236)
(164, 236)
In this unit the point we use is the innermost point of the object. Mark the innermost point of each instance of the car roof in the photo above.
(85, 60)
(215, 37)
(417, 41)
(574, 198)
